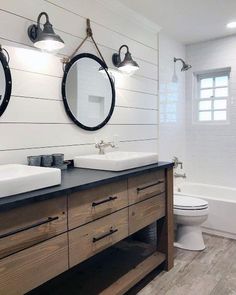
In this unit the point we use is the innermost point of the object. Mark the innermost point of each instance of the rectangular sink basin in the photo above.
(16, 178)
(116, 161)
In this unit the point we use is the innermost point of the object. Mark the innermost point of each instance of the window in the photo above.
(212, 96)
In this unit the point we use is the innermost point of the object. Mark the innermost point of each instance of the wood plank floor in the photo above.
(210, 272)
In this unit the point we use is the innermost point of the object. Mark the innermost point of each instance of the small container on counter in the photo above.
(34, 160)
(47, 160)
(58, 159)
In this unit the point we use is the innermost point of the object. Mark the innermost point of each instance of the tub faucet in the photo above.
(102, 145)
(179, 175)
(177, 163)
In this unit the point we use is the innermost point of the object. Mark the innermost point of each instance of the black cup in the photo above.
(34, 160)
(58, 159)
(46, 160)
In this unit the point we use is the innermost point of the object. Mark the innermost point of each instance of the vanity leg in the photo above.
(165, 226)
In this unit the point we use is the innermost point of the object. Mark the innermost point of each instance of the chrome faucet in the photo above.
(177, 163)
(179, 175)
(102, 145)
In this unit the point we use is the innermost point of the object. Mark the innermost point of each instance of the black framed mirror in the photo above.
(5, 80)
(88, 92)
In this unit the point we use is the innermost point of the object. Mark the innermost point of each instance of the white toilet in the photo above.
(189, 214)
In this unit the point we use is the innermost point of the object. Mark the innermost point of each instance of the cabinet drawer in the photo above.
(96, 236)
(25, 226)
(146, 212)
(144, 186)
(27, 269)
(92, 204)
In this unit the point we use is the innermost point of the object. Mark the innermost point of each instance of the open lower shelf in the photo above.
(136, 274)
(113, 271)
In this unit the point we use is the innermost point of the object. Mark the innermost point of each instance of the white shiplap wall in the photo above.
(35, 121)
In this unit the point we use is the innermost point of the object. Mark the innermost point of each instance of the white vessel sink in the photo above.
(115, 161)
(16, 178)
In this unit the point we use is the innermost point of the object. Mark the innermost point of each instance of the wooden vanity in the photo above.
(47, 232)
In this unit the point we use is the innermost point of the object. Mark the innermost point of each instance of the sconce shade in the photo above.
(45, 39)
(128, 65)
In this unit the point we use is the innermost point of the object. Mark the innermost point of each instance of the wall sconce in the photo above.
(128, 65)
(45, 39)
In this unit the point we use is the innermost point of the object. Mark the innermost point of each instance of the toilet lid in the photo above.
(189, 203)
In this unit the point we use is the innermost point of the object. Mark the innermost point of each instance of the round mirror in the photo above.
(5, 82)
(88, 92)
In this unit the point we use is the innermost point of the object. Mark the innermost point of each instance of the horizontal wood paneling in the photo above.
(17, 136)
(107, 18)
(31, 60)
(135, 99)
(18, 22)
(147, 145)
(52, 111)
(20, 156)
(35, 85)
(28, 59)
(22, 82)
(133, 116)
(35, 121)
(101, 17)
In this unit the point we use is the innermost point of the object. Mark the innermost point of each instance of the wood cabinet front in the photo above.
(96, 236)
(25, 226)
(145, 186)
(43, 239)
(146, 212)
(27, 269)
(92, 204)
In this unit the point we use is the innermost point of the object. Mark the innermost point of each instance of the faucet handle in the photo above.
(177, 163)
(175, 160)
(98, 143)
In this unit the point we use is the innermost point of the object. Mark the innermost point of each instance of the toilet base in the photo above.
(189, 238)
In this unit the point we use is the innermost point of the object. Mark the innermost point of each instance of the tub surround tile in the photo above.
(210, 148)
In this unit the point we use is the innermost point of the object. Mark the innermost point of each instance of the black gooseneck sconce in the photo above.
(127, 65)
(46, 38)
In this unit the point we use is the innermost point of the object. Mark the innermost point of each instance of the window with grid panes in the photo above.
(212, 96)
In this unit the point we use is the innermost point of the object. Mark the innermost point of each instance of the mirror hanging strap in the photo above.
(89, 34)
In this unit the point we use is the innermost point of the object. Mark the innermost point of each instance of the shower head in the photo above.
(185, 66)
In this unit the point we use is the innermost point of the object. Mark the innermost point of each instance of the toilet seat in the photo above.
(191, 213)
(182, 202)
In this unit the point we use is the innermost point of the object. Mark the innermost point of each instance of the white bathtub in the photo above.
(222, 206)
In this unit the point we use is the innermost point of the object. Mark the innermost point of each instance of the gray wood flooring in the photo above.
(210, 272)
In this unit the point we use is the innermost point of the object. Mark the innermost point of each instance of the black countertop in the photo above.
(76, 179)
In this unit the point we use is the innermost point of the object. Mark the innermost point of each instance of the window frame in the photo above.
(196, 102)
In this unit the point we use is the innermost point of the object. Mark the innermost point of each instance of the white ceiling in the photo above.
(189, 21)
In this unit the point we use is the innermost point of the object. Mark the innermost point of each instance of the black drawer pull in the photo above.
(94, 204)
(112, 231)
(150, 185)
(50, 219)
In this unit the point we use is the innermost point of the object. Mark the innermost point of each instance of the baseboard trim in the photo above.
(219, 233)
